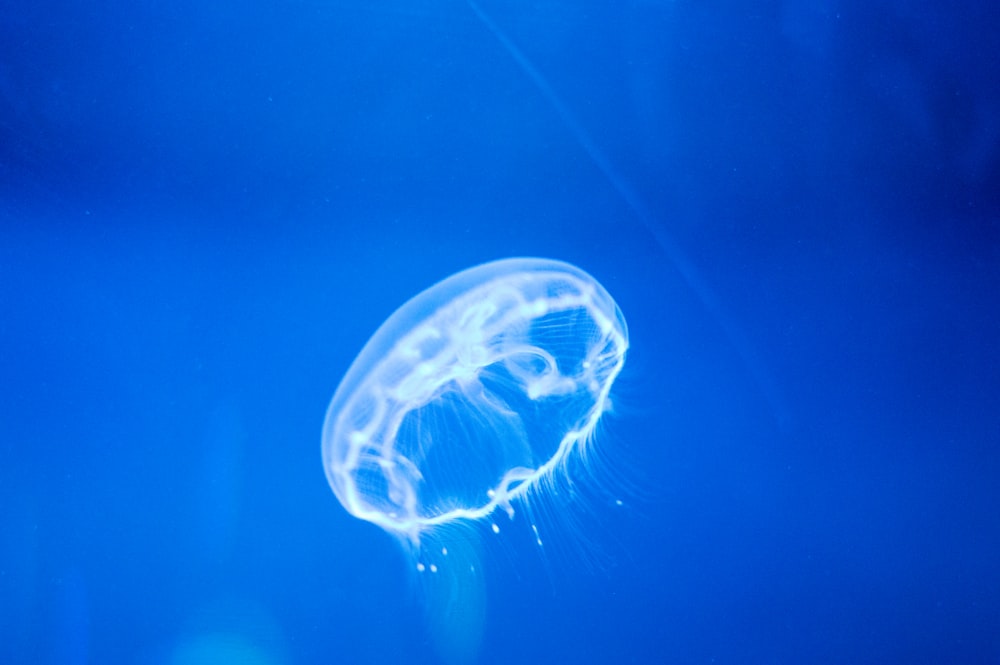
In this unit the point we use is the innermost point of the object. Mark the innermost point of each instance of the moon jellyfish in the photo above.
(472, 398)
(472, 395)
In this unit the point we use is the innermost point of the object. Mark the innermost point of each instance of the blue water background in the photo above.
(207, 208)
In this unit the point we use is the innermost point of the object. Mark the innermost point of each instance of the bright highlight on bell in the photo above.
(473, 395)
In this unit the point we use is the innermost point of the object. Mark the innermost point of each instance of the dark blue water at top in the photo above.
(206, 209)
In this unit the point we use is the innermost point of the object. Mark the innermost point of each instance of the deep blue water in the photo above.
(207, 208)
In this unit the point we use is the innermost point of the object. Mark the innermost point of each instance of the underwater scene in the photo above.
(478, 332)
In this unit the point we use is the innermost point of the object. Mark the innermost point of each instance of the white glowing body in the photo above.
(472, 393)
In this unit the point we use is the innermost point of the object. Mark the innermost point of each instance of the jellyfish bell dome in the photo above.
(472, 394)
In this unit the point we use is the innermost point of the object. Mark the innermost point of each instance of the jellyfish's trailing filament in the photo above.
(471, 394)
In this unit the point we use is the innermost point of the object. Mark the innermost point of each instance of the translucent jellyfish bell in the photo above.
(473, 393)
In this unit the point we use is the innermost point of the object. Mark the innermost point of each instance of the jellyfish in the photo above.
(472, 394)
(466, 405)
